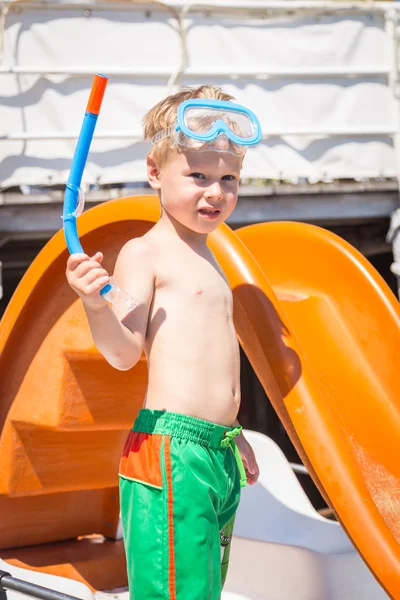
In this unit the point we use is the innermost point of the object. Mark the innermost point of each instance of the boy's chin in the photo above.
(206, 227)
(200, 225)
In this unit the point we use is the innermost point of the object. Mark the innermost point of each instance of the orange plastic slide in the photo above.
(320, 327)
(343, 324)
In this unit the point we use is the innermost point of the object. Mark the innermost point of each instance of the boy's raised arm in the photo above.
(135, 273)
(119, 337)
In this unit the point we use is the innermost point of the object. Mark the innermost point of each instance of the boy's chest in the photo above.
(195, 278)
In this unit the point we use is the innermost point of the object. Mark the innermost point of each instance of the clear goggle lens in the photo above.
(201, 121)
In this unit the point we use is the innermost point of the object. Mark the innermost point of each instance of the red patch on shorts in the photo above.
(140, 458)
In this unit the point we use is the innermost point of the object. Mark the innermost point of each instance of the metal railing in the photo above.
(7, 582)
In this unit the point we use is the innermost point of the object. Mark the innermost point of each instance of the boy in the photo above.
(180, 472)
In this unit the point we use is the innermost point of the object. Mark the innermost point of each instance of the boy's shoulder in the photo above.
(140, 254)
(142, 248)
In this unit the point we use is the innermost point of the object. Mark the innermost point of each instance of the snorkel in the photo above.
(74, 198)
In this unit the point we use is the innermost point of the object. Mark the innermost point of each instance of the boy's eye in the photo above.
(229, 178)
(197, 175)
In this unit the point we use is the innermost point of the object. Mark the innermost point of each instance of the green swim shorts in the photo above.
(180, 480)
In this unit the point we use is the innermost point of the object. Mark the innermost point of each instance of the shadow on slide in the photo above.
(321, 329)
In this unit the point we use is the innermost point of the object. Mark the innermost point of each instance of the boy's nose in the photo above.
(214, 191)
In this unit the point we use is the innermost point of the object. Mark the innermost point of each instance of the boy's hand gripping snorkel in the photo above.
(74, 199)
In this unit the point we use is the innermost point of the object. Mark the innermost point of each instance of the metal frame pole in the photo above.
(393, 235)
(7, 582)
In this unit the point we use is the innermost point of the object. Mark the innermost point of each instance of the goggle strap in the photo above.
(163, 134)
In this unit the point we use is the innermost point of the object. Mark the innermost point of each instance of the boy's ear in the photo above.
(153, 172)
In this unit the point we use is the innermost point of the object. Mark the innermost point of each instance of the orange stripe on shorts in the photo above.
(171, 574)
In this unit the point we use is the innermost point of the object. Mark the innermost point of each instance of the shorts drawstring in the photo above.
(229, 441)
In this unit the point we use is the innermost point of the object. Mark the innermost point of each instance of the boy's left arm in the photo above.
(247, 456)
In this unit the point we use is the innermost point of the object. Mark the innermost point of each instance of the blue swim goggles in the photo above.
(213, 125)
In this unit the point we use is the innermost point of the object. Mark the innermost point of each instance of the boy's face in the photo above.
(198, 189)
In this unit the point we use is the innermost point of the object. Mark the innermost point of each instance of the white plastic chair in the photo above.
(284, 549)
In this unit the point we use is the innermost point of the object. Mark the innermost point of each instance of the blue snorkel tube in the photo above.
(73, 198)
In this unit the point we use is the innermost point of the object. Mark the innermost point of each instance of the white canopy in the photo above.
(319, 84)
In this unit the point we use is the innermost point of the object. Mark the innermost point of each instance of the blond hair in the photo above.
(163, 114)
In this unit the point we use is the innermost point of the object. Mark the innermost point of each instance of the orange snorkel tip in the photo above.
(96, 94)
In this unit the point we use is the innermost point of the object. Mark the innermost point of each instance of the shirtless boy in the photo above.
(180, 471)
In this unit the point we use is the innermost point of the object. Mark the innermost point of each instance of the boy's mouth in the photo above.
(209, 213)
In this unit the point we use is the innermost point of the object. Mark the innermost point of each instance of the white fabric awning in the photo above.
(319, 85)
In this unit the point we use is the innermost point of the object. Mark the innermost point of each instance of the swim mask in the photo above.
(215, 125)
